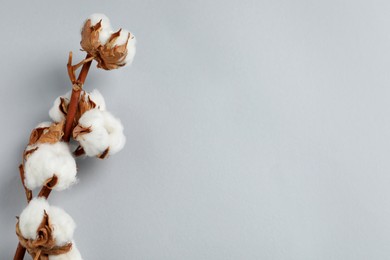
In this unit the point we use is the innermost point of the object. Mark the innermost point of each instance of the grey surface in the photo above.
(256, 129)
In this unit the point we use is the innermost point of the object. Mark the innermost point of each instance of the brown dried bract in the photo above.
(63, 107)
(36, 134)
(104, 154)
(50, 134)
(79, 130)
(85, 104)
(90, 37)
(28, 152)
(53, 134)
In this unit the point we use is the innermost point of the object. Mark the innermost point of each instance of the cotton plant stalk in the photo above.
(48, 161)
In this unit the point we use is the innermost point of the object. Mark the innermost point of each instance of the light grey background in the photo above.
(256, 129)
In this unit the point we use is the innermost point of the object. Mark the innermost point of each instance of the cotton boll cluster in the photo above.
(59, 109)
(48, 160)
(111, 49)
(99, 133)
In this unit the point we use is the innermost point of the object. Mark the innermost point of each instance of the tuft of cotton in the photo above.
(104, 36)
(62, 224)
(131, 50)
(114, 129)
(31, 217)
(44, 124)
(55, 113)
(122, 38)
(97, 17)
(47, 160)
(105, 131)
(105, 31)
(73, 254)
(126, 36)
(98, 99)
(97, 140)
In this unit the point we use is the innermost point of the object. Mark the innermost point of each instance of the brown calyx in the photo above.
(104, 154)
(51, 134)
(79, 130)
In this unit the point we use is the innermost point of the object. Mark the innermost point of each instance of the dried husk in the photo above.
(40, 135)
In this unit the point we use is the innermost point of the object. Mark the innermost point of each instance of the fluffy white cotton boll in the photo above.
(103, 131)
(31, 217)
(122, 39)
(114, 129)
(73, 254)
(55, 113)
(47, 160)
(131, 50)
(105, 30)
(62, 224)
(98, 99)
(97, 140)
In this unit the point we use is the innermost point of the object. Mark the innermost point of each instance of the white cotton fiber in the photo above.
(97, 140)
(131, 50)
(55, 113)
(95, 18)
(73, 254)
(62, 224)
(122, 38)
(44, 124)
(105, 131)
(114, 129)
(105, 30)
(97, 98)
(31, 217)
(47, 160)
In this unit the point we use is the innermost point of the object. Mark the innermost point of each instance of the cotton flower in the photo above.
(46, 160)
(99, 133)
(111, 49)
(59, 109)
